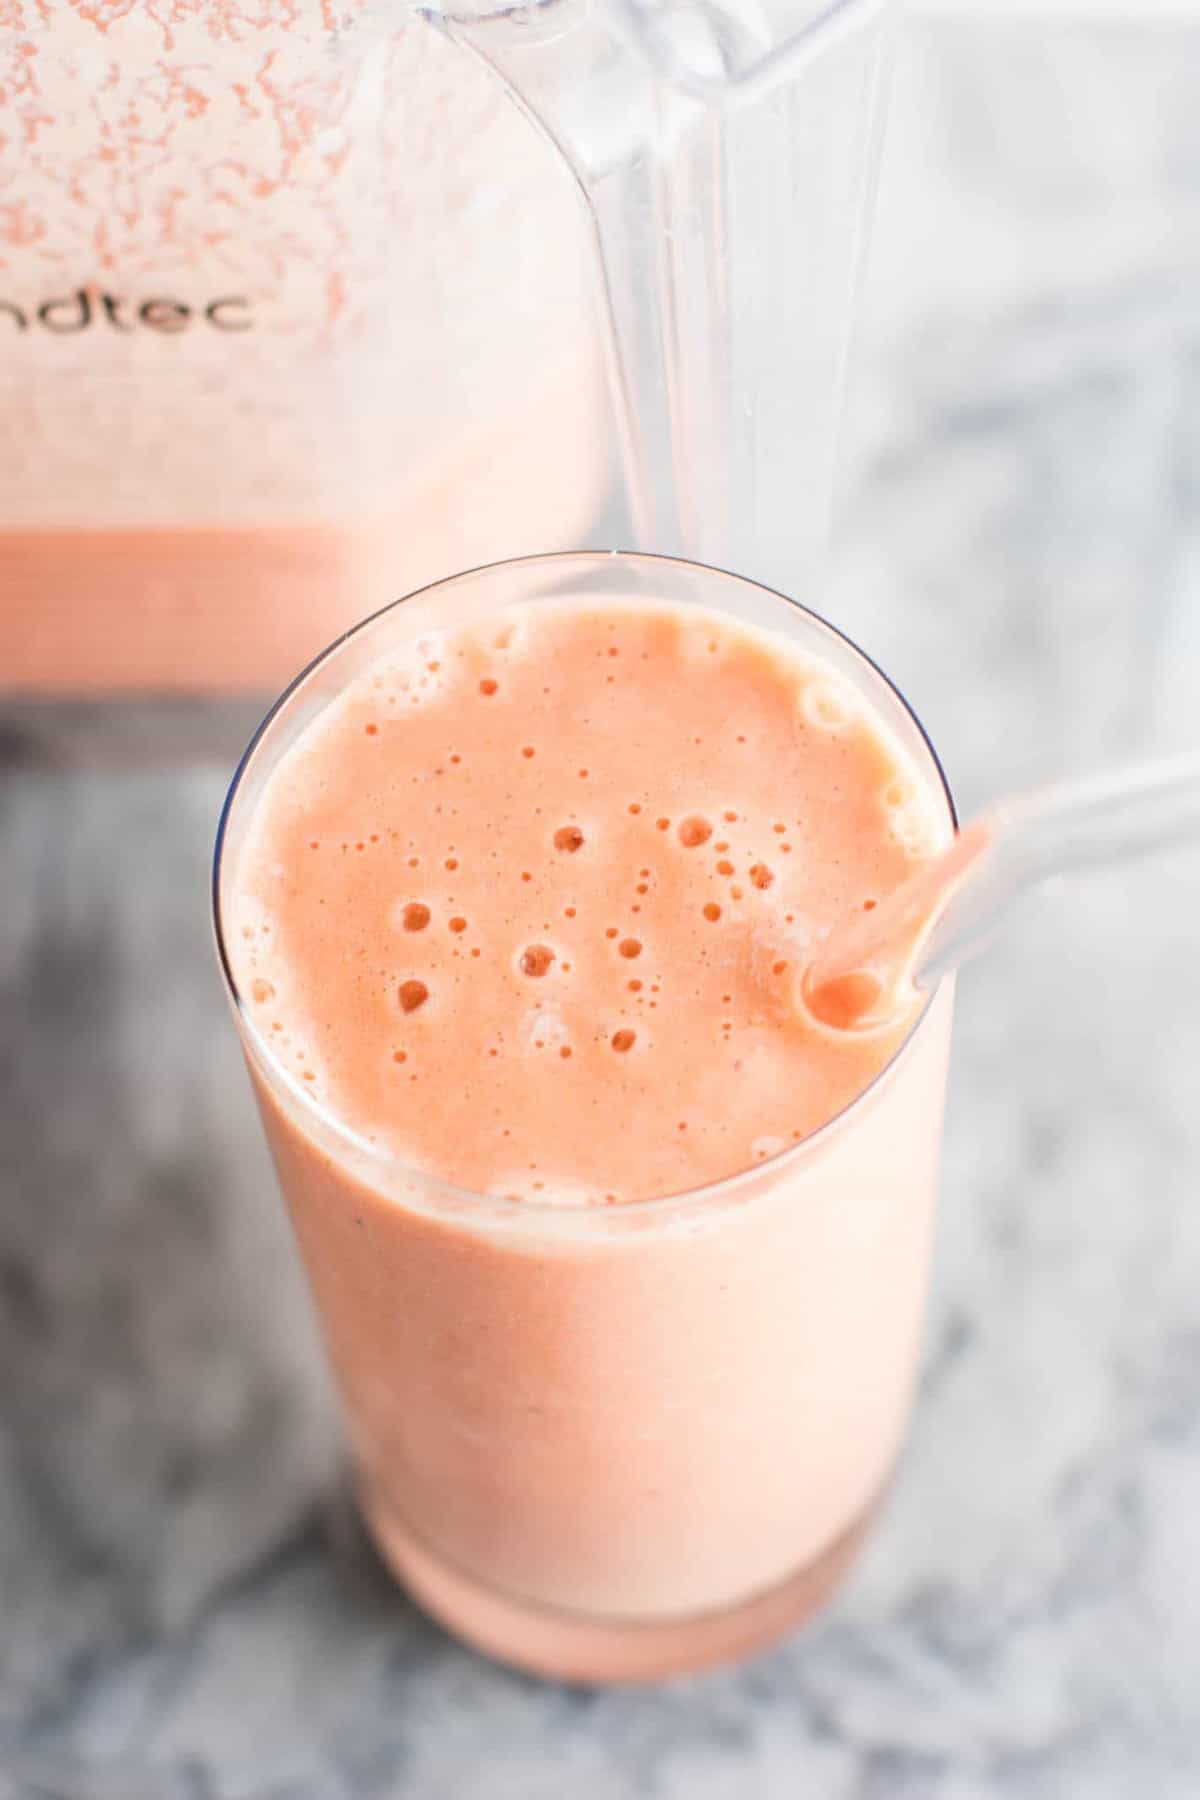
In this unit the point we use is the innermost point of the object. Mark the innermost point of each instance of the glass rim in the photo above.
(514, 1208)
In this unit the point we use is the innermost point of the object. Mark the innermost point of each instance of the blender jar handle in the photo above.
(727, 158)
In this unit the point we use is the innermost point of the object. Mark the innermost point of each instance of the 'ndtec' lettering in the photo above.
(71, 313)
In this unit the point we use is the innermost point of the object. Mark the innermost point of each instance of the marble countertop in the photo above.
(187, 1608)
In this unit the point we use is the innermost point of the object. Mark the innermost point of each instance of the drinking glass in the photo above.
(612, 1443)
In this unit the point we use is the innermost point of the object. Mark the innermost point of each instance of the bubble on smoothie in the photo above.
(542, 1190)
(630, 947)
(488, 685)
(847, 1002)
(827, 705)
(414, 672)
(761, 875)
(457, 923)
(911, 826)
(393, 675)
(261, 992)
(251, 918)
(699, 640)
(543, 1028)
(569, 838)
(415, 916)
(694, 831)
(536, 960)
(412, 994)
(510, 632)
(623, 1040)
(899, 794)
(712, 911)
(429, 650)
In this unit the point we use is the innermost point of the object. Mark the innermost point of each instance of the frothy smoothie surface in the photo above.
(527, 903)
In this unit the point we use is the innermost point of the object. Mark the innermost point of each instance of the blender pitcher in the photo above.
(294, 316)
(297, 310)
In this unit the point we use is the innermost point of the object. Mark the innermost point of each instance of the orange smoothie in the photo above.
(620, 1254)
(197, 608)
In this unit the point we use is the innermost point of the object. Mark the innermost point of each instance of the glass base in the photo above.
(564, 1647)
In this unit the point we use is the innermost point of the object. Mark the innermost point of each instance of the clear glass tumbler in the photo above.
(614, 1443)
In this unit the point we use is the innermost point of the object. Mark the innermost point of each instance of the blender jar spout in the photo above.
(726, 153)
